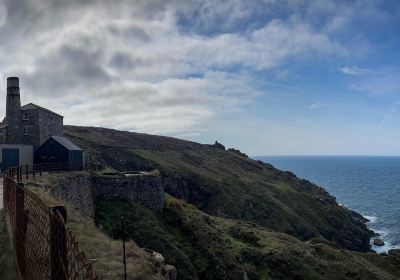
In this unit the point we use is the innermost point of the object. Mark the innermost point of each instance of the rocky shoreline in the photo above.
(379, 244)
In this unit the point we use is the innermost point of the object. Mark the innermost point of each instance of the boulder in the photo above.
(219, 146)
(171, 272)
(394, 253)
(167, 271)
(378, 242)
(158, 259)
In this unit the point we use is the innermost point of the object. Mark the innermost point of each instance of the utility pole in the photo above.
(123, 245)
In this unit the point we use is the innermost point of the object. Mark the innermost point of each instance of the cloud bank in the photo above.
(168, 67)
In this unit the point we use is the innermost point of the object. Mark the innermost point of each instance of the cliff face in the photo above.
(228, 184)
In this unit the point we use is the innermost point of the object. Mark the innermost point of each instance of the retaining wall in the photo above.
(144, 189)
(82, 189)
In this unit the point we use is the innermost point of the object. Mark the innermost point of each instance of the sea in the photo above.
(369, 185)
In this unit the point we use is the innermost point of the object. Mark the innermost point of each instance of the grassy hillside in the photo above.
(104, 253)
(227, 184)
(207, 247)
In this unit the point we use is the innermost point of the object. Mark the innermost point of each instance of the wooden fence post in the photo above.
(58, 244)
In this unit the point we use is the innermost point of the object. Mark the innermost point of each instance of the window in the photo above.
(25, 116)
(27, 130)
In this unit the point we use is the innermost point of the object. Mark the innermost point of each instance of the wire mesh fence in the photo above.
(44, 247)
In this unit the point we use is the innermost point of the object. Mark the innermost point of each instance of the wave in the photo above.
(384, 235)
(372, 219)
(385, 248)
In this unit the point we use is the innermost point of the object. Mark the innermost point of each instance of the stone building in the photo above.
(24, 128)
(29, 124)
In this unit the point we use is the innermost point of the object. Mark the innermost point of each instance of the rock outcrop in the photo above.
(169, 272)
(378, 242)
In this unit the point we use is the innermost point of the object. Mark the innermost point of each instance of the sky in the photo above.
(269, 77)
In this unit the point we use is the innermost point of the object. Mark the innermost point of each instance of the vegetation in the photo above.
(227, 184)
(206, 247)
(226, 217)
(104, 253)
(7, 267)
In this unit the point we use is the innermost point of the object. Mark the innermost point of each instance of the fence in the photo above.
(24, 171)
(44, 247)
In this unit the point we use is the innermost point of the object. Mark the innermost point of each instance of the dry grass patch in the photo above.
(104, 253)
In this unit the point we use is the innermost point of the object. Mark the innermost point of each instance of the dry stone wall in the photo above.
(82, 189)
(75, 188)
(144, 189)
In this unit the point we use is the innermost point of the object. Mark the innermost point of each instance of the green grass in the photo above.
(104, 253)
(144, 227)
(206, 247)
(223, 183)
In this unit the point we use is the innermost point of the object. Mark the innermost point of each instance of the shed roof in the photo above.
(31, 106)
(64, 141)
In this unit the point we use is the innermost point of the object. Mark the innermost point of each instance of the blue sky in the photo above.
(266, 76)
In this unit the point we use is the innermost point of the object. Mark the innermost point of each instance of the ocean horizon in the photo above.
(369, 185)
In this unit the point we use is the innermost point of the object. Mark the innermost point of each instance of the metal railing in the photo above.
(44, 246)
(25, 171)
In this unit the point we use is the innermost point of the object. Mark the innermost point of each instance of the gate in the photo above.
(10, 158)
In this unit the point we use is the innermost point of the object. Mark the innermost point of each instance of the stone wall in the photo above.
(39, 125)
(145, 189)
(82, 189)
(30, 120)
(50, 124)
(75, 188)
(13, 113)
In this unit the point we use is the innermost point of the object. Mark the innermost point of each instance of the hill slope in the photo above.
(207, 247)
(229, 185)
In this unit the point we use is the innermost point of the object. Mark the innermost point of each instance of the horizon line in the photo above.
(325, 155)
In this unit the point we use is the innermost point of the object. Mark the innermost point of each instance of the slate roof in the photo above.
(64, 141)
(31, 106)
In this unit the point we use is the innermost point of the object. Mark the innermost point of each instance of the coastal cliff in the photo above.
(228, 184)
(227, 216)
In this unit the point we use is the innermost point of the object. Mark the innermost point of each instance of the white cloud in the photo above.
(318, 105)
(382, 82)
(132, 67)
(171, 66)
(3, 14)
(173, 106)
(354, 70)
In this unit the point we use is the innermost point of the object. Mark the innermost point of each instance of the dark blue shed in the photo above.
(59, 149)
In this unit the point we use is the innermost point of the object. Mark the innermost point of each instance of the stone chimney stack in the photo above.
(13, 111)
